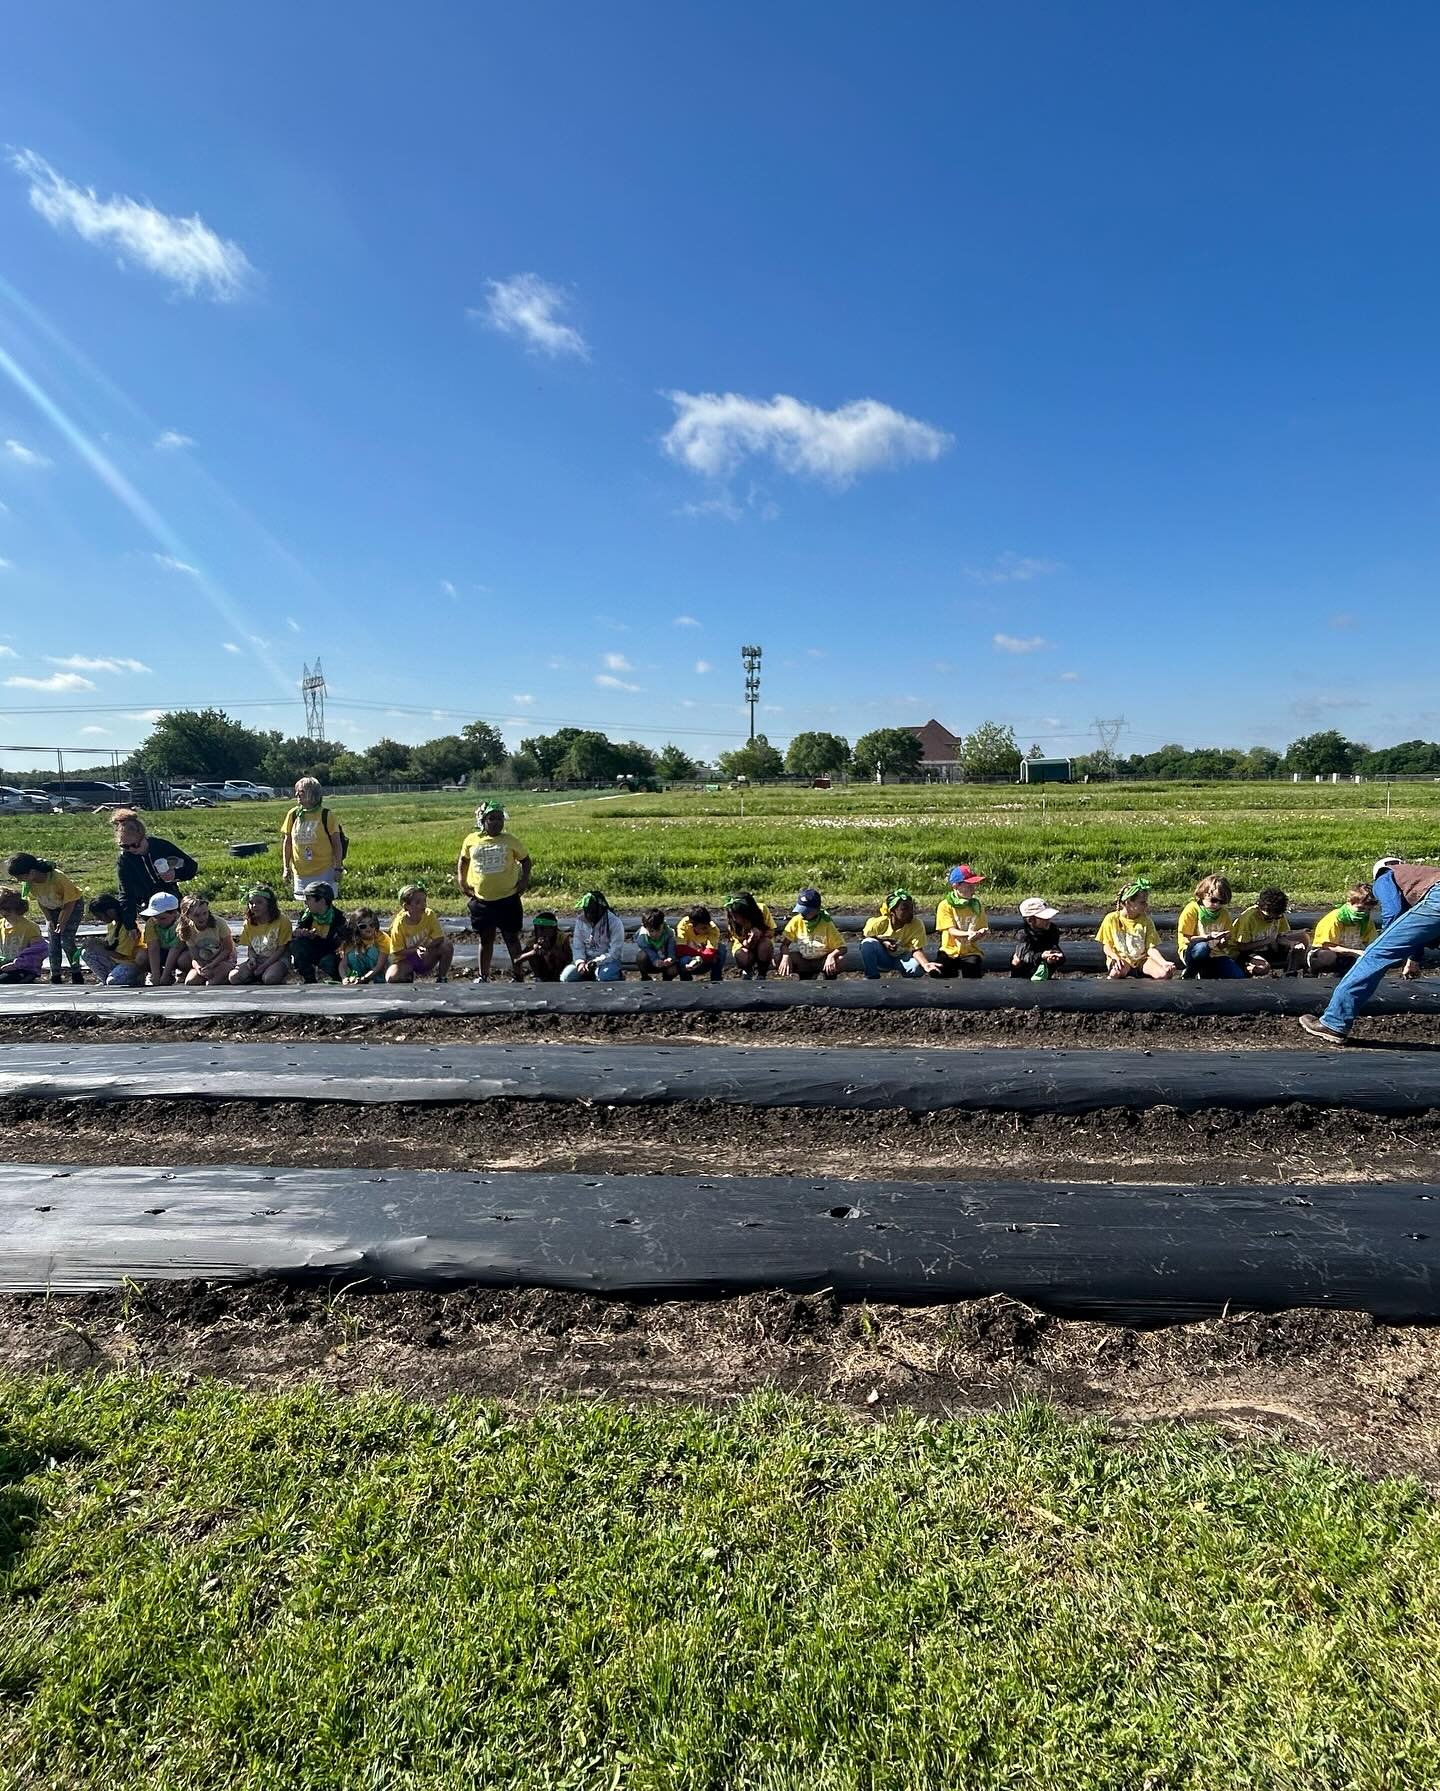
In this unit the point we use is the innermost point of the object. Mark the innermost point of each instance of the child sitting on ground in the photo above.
(1263, 941)
(266, 937)
(548, 953)
(1129, 939)
(895, 940)
(962, 925)
(61, 904)
(596, 944)
(162, 950)
(117, 961)
(1203, 933)
(418, 946)
(22, 946)
(1038, 953)
(699, 947)
(207, 939)
(315, 944)
(752, 935)
(1344, 933)
(811, 944)
(363, 948)
(655, 946)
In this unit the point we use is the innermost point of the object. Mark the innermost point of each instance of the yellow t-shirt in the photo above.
(907, 939)
(122, 941)
(264, 938)
(1190, 927)
(1350, 935)
(409, 935)
(766, 917)
(493, 870)
(311, 846)
(1131, 941)
(1252, 928)
(205, 944)
(701, 938)
(953, 921)
(814, 938)
(51, 893)
(15, 935)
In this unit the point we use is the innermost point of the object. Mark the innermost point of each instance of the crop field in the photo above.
(1073, 844)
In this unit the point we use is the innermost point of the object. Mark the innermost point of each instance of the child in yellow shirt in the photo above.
(266, 937)
(1343, 934)
(1129, 939)
(418, 946)
(1262, 938)
(895, 940)
(22, 948)
(811, 944)
(61, 904)
(208, 941)
(1202, 935)
(117, 961)
(162, 950)
(963, 925)
(699, 947)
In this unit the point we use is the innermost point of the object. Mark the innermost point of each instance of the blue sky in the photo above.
(527, 362)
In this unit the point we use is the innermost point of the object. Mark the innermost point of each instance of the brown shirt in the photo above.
(1414, 881)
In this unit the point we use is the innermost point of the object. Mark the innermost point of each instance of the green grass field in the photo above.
(1075, 845)
(207, 1590)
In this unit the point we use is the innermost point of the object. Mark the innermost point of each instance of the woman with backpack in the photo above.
(312, 841)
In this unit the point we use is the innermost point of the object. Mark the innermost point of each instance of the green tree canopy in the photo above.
(674, 766)
(757, 762)
(484, 743)
(887, 752)
(1319, 755)
(991, 751)
(202, 743)
(817, 754)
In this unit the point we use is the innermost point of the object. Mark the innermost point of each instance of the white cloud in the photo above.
(170, 441)
(703, 665)
(1009, 643)
(230, 647)
(1013, 569)
(26, 456)
(151, 715)
(171, 564)
(94, 730)
(77, 662)
(685, 622)
(617, 662)
(258, 640)
(292, 624)
(1069, 677)
(8, 653)
(724, 506)
(530, 307)
(522, 698)
(713, 432)
(184, 251)
(816, 653)
(6, 566)
(56, 681)
(606, 682)
(447, 588)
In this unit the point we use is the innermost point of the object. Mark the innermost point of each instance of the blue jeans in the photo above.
(1404, 938)
(877, 960)
(606, 971)
(691, 968)
(1204, 961)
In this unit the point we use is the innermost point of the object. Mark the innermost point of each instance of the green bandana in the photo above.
(1207, 914)
(1140, 886)
(1350, 916)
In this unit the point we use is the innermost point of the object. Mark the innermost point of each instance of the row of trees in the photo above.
(1313, 755)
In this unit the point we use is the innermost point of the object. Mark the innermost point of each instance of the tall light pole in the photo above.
(751, 657)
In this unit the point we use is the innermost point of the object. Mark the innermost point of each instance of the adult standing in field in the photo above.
(1409, 897)
(312, 842)
(146, 865)
(493, 871)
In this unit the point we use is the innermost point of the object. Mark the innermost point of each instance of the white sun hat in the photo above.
(1037, 908)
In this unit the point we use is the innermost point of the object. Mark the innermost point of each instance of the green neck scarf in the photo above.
(1350, 916)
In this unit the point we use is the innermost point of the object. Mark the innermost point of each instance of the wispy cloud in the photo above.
(1069, 677)
(184, 251)
(714, 431)
(531, 308)
(1013, 569)
(1010, 643)
(56, 681)
(703, 665)
(723, 506)
(77, 662)
(522, 699)
(151, 715)
(230, 647)
(686, 622)
(617, 662)
(1342, 621)
(171, 564)
(607, 682)
(26, 456)
(258, 640)
(171, 441)
(95, 730)
(1323, 704)
(6, 566)
(292, 624)
(8, 653)
(447, 589)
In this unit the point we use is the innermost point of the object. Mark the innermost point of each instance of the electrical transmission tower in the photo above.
(1107, 734)
(313, 687)
(751, 657)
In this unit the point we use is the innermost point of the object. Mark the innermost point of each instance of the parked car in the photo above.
(38, 798)
(15, 802)
(240, 789)
(83, 795)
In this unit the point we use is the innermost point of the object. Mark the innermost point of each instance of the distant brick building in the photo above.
(937, 753)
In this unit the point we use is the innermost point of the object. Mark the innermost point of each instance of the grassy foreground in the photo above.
(204, 1588)
(1075, 845)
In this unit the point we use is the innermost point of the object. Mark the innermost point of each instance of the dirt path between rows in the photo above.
(1365, 1392)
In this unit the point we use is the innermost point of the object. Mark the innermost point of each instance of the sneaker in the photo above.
(1319, 1030)
(77, 975)
(56, 976)
(1042, 975)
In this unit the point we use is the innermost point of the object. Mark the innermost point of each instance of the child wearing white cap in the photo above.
(161, 947)
(1038, 953)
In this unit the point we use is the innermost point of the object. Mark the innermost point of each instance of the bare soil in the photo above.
(1292, 1144)
(1366, 1392)
(781, 1027)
